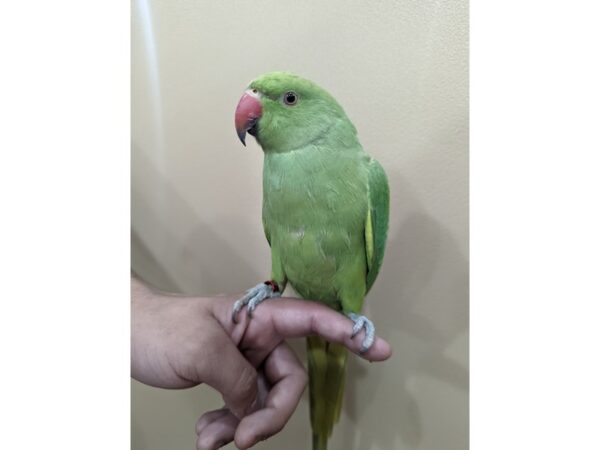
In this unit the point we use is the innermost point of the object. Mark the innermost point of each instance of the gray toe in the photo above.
(255, 301)
(252, 298)
(361, 322)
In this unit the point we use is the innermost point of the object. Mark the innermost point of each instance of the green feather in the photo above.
(377, 220)
(325, 214)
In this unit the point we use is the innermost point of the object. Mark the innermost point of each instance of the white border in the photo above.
(64, 240)
(535, 225)
(64, 114)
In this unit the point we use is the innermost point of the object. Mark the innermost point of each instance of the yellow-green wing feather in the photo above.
(376, 224)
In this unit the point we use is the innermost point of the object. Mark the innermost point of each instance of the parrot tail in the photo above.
(326, 374)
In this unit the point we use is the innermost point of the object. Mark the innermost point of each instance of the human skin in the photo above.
(180, 342)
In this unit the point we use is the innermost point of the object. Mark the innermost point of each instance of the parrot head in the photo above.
(285, 112)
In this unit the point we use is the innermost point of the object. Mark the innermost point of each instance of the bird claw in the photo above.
(254, 297)
(361, 322)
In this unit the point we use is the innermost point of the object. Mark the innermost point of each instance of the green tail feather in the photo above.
(327, 373)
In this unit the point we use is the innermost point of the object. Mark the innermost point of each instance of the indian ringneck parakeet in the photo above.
(325, 216)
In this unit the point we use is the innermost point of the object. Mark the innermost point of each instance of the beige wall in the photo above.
(400, 69)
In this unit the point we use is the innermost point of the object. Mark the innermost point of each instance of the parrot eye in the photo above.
(290, 98)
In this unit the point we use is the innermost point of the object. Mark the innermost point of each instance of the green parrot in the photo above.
(325, 216)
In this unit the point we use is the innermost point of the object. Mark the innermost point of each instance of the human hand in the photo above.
(179, 342)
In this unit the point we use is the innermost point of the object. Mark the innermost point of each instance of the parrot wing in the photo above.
(376, 224)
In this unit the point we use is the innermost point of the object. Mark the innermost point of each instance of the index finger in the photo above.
(291, 318)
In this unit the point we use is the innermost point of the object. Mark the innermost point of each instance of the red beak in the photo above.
(247, 113)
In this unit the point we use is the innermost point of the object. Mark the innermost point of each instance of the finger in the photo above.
(288, 380)
(209, 417)
(217, 433)
(228, 372)
(298, 318)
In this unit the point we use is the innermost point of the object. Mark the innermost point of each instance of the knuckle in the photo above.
(302, 378)
(209, 443)
(246, 383)
(276, 429)
(200, 424)
(204, 443)
(203, 422)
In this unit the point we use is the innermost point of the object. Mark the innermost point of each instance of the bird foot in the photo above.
(255, 296)
(361, 322)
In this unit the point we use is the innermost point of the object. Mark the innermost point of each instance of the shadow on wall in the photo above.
(205, 262)
(424, 284)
